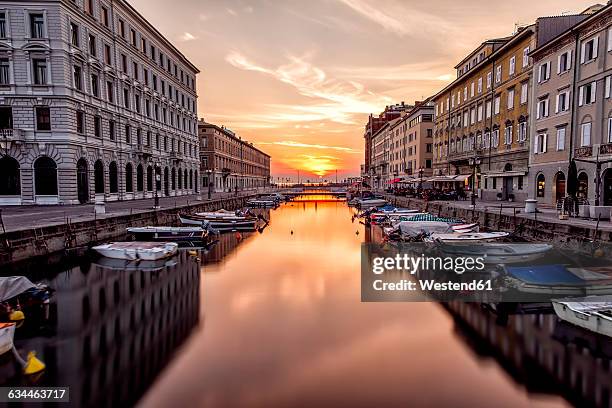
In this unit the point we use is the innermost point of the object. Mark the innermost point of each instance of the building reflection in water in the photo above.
(116, 328)
(540, 352)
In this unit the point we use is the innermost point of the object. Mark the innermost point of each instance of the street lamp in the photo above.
(157, 167)
(421, 171)
(474, 162)
(208, 174)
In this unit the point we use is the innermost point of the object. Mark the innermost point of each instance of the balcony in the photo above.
(586, 151)
(144, 150)
(605, 149)
(175, 155)
(11, 135)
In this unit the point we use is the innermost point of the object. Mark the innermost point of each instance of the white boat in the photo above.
(371, 202)
(7, 333)
(461, 236)
(593, 313)
(222, 224)
(172, 234)
(414, 228)
(136, 250)
(262, 203)
(499, 253)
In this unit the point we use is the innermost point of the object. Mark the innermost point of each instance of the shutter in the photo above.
(582, 52)
(595, 47)
(593, 92)
(535, 144)
(610, 39)
(540, 73)
(546, 106)
(581, 96)
(545, 143)
(607, 87)
(538, 111)
(569, 60)
(557, 105)
(559, 64)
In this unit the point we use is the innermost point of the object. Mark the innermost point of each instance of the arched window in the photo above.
(185, 178)
(149, 178)
(139, 178)
(559, 186)
(195, 177)
(583, 185)
(99, 177)
(112, 177)
(174, 178)
(540, 185)
(191, 179)
(10, 180)
(158, 180)
(82, 181)
(129, 178)
(45, 176)
(166, 181)
(180, 179)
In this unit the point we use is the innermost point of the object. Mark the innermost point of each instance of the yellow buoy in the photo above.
(16, 316)
(598, 253)
(33, 365)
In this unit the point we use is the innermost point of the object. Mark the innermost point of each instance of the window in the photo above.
(97, 126)
(479, 113)
(104, 16)
(94, 85)
(498, 74)
(585, 134)
(92, 45)
(562, 102)
(43, 118)
(496, 105)
(143, 45)
(479, 85)
(107, 54)
(522, 132)
(508, 135)
(540, 143)
(525, 57)
(109, 91)
(589, 50)
(542, 108)
(5, 77)
(495, 141)
(80, 122)
(489, 76)
(122, 28)
(126, 98)
(37, 26)
(488, 109)
(40, 71)
(524, 92)
(88, 6)
(586, 94)
(561, 138)
(76, 75)
(544, 72)
(3, 33)
(133, 37)
(540, 185)
(511, 98)
(137, 103)
(512, 67)
(564, 62)
(74, 34)
(472, 90)
(111, 129)
(135, 70)
(128, 135)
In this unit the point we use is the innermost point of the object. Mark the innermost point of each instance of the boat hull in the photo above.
(133, 251)
(7, 334)
(595, 322)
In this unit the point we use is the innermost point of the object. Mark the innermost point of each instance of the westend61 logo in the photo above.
(413, 265)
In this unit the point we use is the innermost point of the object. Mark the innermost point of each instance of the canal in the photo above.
(275, 319)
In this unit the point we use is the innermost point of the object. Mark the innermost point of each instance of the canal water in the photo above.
(274, 319)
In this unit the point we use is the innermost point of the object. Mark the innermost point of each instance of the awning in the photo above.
(457, 178)
(462, 177)
(396, 180)
(506, 174)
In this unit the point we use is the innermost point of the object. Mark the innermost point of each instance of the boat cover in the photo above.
(12, 286)
(544, 275)
(588, 304)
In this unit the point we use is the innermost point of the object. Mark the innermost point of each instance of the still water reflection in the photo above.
(275, 319)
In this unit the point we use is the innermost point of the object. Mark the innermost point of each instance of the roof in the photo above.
(492, 41)
(229, 133)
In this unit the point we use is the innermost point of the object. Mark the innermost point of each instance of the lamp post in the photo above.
(209, 174)
(474, 162)
(157, 185)
(421, 171)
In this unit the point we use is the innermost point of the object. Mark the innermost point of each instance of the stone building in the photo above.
(228, 162)
(94, 102)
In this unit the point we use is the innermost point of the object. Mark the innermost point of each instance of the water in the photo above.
(275, 319)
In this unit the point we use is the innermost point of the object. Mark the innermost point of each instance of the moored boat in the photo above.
(593, 313)
(7, 334)
(499, 253)
(462, 236)
(235, 223)
(137, 250)
(188, 235)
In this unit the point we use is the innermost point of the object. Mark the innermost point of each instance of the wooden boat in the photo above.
(222, 224)
(498, 253)
(593, 313)
(7, 334)
(462, 236)
(137, 250)
(189, 235)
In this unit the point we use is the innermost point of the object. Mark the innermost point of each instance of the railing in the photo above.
(175, 155)
(586, 151)
(605, 148)
(11, 135)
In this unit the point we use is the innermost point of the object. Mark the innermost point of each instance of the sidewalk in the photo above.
(36, 216)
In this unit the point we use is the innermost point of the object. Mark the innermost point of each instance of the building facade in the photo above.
(95, 104)
(229, 163)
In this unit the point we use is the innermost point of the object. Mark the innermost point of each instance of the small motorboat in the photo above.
(262, 203)
(559, 280)
(371, 202)
(186, 235)
(235, 223)
(123, 264)
(593, 313)
(461, 235)
(137, 250)
(19, 297)
(499, 253)
(7, 334)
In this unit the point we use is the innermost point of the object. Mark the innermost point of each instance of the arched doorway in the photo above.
(129, 178)
(607, 187)
(158, 181)
(173, 178)
(166, 182)
(559, 186)
(540, 185)
(180, 178)
(583, 186)
(113, 184)
(185, 179)
(149, 178)
(99, 177)
(196, 185)
(10, 179)
(82, 181)
(45, 177)
(139, 178)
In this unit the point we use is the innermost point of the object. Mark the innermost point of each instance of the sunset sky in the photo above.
(299, 78)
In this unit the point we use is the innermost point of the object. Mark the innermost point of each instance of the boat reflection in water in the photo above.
(540, 352)
(115, 327)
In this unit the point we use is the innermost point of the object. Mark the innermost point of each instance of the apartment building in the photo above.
(95, 104)
(229, 163)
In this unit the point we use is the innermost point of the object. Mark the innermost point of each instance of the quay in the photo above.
(33, 231)
(511, 217)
